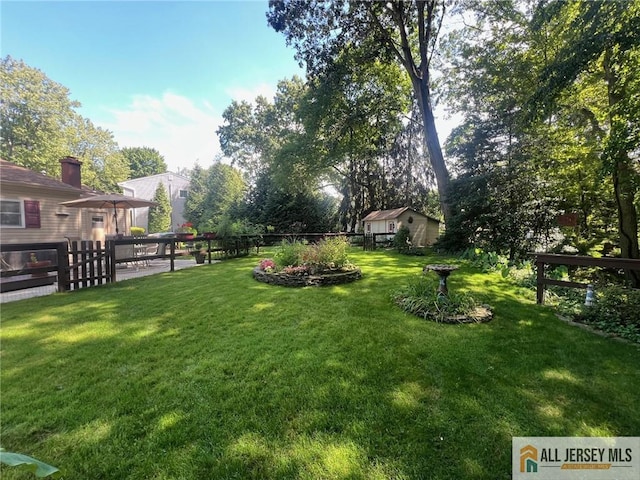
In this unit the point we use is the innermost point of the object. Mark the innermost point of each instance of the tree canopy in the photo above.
(397, 30)
(39, 126)
(550, 125)
(144, 161)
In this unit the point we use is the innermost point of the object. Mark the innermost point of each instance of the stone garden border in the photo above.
(285, 280)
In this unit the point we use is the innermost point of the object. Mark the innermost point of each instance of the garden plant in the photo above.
(299, 264)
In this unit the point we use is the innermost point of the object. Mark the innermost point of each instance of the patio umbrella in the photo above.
(110, 200)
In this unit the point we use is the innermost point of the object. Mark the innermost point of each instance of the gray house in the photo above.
(177, 188)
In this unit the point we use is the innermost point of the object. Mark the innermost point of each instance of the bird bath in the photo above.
(443, 272)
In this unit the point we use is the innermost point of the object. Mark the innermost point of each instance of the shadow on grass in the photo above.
(210, 374)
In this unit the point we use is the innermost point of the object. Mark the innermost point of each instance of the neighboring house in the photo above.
(177, 188)
(423, 230)
(30, 209)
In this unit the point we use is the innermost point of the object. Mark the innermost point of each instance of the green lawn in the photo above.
(206, 373)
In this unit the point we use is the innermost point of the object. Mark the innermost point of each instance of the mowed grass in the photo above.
(206, 373)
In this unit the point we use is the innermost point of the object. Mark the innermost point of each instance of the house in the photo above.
(30, 210)
(424, 230)
(176, 186)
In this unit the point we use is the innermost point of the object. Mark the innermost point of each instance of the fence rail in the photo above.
(82, 264)
(544, 259)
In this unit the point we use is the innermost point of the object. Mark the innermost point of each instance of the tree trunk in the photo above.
(623, 174)
(627, 217)
(423, 96)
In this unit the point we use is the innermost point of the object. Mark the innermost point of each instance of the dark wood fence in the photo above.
(82, 264)
(544, 259)
(30, 265)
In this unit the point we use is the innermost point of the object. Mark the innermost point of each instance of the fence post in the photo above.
(540, 283)
(110, 252)
(63, 266)
(172, 252)
(84, 256)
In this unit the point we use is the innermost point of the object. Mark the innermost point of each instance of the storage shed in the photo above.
(424, 230)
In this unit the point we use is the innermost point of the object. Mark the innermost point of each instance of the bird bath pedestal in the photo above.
(443, 272)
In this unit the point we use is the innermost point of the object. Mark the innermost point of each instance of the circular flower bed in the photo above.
(336, 277)
(421, 298)
(297, 264)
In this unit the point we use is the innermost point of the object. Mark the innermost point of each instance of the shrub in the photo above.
(486, 261)
(137, 231)
(401, 238)
(290, 253)
(616, 310)
(328, 254)
(331, 252)
(420, 297)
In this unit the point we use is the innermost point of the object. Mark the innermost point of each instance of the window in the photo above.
(97, 221)
(368, 228)
(11, 214)
(392, 227)
(183, 194)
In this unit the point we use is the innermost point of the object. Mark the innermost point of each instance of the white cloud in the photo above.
(182, 131)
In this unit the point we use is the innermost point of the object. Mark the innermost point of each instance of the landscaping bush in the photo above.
(400, 239)
(616, 310)
(289, 253)
(137, 231)
(420, 297)
(332, 252)
(328, 254)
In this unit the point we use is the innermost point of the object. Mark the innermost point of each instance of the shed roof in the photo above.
(17, 175)
(392, 214)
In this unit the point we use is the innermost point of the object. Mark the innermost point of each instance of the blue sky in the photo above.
(155, 73)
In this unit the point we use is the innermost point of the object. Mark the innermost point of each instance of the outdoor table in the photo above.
(443, 272)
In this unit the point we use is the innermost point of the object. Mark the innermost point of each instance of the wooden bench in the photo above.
(20, 282)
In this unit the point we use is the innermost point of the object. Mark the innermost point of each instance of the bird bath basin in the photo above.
(443, 272)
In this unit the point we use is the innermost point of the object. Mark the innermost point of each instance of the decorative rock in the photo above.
(285, 280)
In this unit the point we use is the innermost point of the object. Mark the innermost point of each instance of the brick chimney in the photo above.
(71, 171)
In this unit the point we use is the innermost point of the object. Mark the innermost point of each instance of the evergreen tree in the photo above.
(160, 215)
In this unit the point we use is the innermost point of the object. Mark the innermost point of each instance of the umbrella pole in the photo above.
(115, 214)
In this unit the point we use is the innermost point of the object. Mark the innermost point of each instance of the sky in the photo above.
(155, 73)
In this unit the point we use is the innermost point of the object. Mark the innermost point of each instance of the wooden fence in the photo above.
(74, 264)
(544, 259)
(82, 264)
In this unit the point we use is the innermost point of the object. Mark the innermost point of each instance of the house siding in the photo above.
(57, 222)
(145, 188)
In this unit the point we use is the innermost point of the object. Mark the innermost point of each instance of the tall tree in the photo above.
(225, 189)
(406, 31)
(36, 115)
(605, 35)
(103, 164)
(160, 214)
(39, 125)
(194, 205)
(144, 161)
